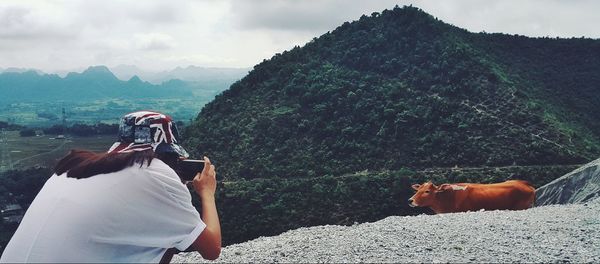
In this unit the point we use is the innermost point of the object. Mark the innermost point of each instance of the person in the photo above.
(126, 205)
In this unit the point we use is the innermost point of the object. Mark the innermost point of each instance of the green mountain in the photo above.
(93, 84)
(402, 89)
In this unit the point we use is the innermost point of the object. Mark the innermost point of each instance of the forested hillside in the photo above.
(402, 89)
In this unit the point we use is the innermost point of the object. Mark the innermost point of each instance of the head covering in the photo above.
(144, 130)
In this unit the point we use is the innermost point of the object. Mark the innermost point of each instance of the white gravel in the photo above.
(554, 233)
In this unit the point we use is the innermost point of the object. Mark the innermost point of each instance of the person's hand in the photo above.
(208, 243)
(205, 182)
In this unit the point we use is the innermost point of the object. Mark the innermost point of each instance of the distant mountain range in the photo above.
(98, 82)
(189, 73)
(20, 70)
(92, 84)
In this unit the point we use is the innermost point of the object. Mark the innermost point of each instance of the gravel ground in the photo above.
(554, 233)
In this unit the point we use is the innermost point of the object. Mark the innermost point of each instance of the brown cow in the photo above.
(462, 197)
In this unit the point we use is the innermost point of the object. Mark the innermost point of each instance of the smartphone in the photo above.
(188, 168)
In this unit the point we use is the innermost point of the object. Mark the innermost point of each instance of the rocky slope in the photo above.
(579, 186)
(555, 233)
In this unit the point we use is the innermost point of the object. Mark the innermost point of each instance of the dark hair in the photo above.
(81, 164)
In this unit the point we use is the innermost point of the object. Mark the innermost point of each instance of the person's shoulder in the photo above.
(160, 174)
(161, 170)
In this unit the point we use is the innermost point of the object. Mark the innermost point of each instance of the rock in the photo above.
(578, 186)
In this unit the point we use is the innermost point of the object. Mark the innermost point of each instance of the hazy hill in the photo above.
(403, 89)
(20, 70)
(202, 75)
(92, 84)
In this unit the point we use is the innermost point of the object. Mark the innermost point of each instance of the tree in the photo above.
(28, 132)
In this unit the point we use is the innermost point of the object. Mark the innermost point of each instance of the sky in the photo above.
(155, 35)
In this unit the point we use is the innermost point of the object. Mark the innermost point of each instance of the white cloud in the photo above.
(19, 22)
(312, 16)
(536, 18)
(156, 34)
(154, 41)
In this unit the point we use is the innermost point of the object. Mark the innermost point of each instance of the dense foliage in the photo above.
(403, 89)
(28, 132)
(262, 207)
(20, 187)
(8, 126)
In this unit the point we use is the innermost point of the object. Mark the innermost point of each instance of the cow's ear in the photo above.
(444, 187)
(416, 186)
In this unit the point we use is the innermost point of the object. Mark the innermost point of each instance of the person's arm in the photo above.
(208, 244)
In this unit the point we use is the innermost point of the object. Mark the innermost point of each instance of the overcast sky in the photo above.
(56, 35)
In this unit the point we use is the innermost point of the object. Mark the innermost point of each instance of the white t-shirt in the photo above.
(133, 215)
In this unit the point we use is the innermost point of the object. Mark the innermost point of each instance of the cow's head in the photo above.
(426, 193)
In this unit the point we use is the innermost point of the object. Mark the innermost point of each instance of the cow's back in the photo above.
(509, 195)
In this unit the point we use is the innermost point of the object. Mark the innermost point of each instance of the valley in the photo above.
(17, 153)
(42, 114)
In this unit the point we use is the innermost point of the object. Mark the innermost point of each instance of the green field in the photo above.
(46, 114)
(18, 152)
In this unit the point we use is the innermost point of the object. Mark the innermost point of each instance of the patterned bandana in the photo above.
(144, 130)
